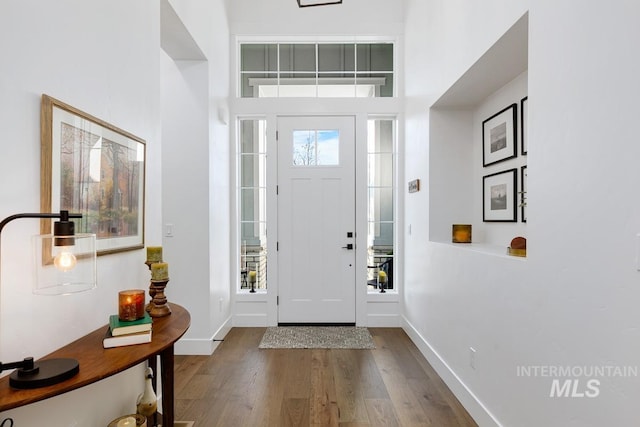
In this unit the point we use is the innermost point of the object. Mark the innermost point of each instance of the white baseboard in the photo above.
(202, 347)
(472, 404)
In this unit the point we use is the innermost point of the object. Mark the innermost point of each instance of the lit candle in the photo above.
(154, 254)
(131, 304)
(252, 276)
(127, 422)
(382, 277)
(159, 271)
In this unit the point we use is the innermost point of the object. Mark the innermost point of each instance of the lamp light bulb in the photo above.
(65, 260)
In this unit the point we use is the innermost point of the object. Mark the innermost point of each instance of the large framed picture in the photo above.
(499, 136)
(499, 196)
(524, 113)
(94, 168)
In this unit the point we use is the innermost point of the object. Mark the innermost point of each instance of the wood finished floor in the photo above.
(242, 385)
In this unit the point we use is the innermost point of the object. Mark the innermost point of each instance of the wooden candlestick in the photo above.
(152, 290)
(159, 307)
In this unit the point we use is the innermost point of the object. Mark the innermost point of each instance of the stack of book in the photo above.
(121, 333)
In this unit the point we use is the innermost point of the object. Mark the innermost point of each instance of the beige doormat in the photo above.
(317, 337)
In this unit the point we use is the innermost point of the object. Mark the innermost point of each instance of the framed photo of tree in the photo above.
(499, 136)
(499, 196)
(91, 167)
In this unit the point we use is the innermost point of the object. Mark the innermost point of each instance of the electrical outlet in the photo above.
(472, 357)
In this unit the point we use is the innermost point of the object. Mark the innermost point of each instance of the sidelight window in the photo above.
(252, 206)
(381, 205)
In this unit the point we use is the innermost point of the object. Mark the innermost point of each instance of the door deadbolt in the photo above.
(349, 246)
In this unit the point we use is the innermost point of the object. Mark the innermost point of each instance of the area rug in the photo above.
(317, 337)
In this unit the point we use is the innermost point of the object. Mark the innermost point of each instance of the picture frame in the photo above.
(414, 186)
(523, 193)
(499, 136)
(499, 194)
(94, 168)
(524, 112)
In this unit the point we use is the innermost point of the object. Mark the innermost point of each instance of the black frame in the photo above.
(523, 121)
(523, 192)
(511, 205)
(510, 152)
(319, 4)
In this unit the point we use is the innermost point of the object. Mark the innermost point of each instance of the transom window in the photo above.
(339, 70)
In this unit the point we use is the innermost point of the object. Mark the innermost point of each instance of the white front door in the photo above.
(316, 219)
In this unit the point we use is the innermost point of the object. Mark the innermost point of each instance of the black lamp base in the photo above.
(45, 373)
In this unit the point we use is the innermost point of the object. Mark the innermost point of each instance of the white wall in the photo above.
(195, 162)
(101, 57)
(572, 302)
(284, 17)
(105, 59)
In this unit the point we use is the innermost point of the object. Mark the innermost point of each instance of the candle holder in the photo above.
(382, 281)
(461, 233)
(159, 307)
(152, 290)
(252, 281)
(131, 305)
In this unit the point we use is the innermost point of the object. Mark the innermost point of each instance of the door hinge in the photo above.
(277, 299)
(277, 190)
(277, 246)
(277, 135)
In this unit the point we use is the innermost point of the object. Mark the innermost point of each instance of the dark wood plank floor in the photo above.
(242, 385)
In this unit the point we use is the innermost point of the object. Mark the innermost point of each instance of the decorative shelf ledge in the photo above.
(485, 248)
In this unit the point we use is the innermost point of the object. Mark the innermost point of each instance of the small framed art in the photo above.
(499, 196)
(524, 112)
(523, 193)
(499, 136)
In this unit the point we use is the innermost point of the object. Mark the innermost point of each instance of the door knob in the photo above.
(349, 246)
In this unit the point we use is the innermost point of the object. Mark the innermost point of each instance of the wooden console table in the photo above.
(98, 363)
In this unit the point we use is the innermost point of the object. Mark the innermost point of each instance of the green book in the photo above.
(121, 327)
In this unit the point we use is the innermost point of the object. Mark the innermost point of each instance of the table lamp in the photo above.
(65, 263)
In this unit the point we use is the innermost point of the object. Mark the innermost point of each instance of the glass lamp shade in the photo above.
(62, 270)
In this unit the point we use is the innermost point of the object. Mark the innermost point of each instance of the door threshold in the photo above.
(315, 324)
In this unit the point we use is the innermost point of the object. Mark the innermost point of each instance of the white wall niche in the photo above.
(496, 80)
